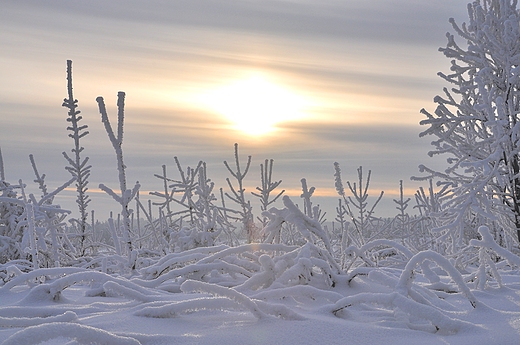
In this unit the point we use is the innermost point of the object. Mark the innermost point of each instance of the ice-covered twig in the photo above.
(194, 270)
(168, 262)
(216, 290)
(68, 316)
(272, 230)
(51, 195)
(268, 247)
(135, 292)
(305, 224)
(488, 242)
(54, 289)
(306, 196)
(2, 169)
(113, 231)
(31, 232)
(362, 251)
(117, 141)
(167, 195)
(174, 309)
(40, 179)
(298, 292)
(441, 322)
(279, 310)
(266, 174)
(26, 278)
(407, 275)
(262, 279)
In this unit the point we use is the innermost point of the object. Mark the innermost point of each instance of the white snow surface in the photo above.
(373, 306)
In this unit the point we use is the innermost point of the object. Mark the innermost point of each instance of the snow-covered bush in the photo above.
(200, 221)
(11, 210)
(33, 230)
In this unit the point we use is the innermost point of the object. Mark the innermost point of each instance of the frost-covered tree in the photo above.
(476, 122)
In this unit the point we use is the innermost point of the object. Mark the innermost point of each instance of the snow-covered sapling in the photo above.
(268, 186)
(126, 194)
(360, 194)
(78, 166)
(402, 219)
(238, 195)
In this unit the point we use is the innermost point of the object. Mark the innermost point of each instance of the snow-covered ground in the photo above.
(23, 321)
(243, 296)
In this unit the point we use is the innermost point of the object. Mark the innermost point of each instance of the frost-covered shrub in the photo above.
(188, 238)
(378, 253)
(11, 210)
(33, 230)
(199, 221)
(309, 228)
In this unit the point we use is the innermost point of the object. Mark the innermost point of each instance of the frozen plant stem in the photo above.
(126, 194)
(2, 171)
(167, 195)
(77, 167)
(306, 195)
(31, 231)
(266, 174)
(117, 141)
(239, 194)
(361, 195)
(402, 217)
(40, 179)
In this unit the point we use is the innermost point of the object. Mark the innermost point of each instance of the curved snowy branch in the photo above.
(80, 333)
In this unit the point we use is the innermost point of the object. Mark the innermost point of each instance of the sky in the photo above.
(306, 83)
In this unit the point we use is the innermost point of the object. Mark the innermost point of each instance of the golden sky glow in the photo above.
(254, 104)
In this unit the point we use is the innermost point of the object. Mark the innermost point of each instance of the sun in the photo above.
(255, 105)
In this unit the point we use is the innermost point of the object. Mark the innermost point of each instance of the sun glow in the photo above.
(255, 105)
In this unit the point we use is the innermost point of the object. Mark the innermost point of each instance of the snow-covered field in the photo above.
(86, 317)
(269, 294)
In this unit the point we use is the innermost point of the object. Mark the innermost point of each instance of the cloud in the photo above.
(368, 66)
(400, 21)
